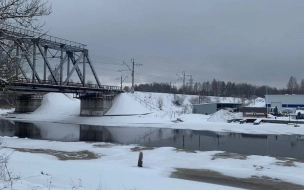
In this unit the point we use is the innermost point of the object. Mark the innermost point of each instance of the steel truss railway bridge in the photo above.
(27, 47)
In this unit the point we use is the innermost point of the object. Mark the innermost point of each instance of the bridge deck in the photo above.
(69, 88)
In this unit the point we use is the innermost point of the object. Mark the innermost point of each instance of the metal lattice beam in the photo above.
(35, 47)
(23, 50)
(71, 56)
(73, 69)
(46, 61)
(93, 70)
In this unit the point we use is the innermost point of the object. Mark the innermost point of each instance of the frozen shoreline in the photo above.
(39, 162)
(64, 109)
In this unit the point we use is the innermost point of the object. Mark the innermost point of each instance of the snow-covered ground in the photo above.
(63, 108)
(258, 102)
(51, 165)
(40, 164)
(3, 111)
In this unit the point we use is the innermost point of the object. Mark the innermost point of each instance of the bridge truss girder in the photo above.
(31, 45)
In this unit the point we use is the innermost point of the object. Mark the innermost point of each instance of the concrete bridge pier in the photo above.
(95, 104)
(27, 103)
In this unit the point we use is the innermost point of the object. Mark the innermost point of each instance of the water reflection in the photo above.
(272, 145)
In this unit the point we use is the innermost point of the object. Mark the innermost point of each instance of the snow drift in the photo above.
(224, 116)
(124, 104)
(58, 104)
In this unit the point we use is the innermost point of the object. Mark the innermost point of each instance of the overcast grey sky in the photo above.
(257, 41)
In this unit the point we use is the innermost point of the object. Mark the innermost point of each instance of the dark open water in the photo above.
(272, 145)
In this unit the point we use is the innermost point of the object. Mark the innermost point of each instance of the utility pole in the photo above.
(191, 81)
(132, 72)
(184, 80)
(199, 98)
(121, 81)
(266, 102)
(132, 89)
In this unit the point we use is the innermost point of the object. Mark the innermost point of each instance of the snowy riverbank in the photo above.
(64, 109)
(79, 165)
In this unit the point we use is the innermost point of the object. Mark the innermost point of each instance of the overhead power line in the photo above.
(103, 57)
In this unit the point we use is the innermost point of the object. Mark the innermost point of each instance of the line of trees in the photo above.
(224, 89)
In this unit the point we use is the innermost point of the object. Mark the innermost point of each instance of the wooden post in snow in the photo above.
(140, 162)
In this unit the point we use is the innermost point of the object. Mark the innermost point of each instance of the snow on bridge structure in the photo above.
(36, 50)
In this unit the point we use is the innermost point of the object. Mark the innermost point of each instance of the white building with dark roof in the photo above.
(284, 101)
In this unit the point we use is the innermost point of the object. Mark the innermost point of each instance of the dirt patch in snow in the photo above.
(138, 148)
(214, 177)
(224, 116)
(289, 162)
(226, 155)
(185, 150)
(103, 145)
(301, 160)
(62, 155)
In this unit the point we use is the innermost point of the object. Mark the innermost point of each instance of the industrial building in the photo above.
(284, 101)
(210, 108)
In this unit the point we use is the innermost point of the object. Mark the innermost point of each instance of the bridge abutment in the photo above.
(95, 104)
(27, 103)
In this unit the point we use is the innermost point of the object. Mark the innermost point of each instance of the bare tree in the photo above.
(302, 86)
(292, 85)
(194, 100)
(178, 100)
(14, 14)
(160, 102)
(6, 176)
(205, 99)
(23, 12)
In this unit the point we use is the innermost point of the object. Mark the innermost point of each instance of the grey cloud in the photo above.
(259, 42)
